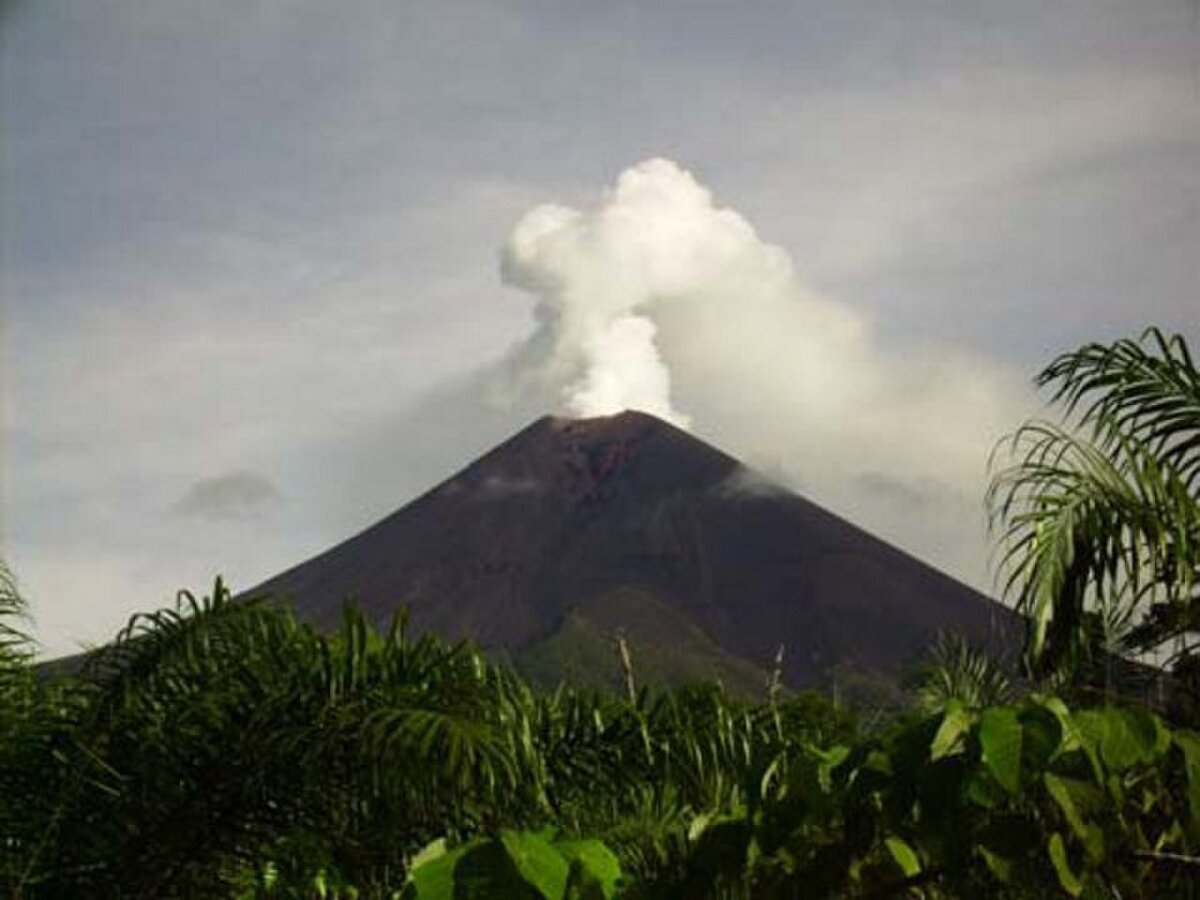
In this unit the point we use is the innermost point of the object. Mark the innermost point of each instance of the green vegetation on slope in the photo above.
(667, 647)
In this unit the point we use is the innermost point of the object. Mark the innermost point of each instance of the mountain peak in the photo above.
(624, 424)
(626, 521)
(592, 459)
(617, 419)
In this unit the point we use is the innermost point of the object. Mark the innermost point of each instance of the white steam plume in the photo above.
(657, 299)
(600, 276)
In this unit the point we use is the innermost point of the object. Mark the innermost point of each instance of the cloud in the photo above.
(657, 298)
(745, 483)
(596, 274)
(233, 496)
(908, 494)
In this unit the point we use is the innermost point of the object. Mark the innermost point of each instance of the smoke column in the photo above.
(600, 275)
(656, 298)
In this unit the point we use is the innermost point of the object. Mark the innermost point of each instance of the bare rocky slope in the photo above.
(575, 530)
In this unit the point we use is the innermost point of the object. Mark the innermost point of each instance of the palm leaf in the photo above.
(1102, 520)
(1146, 390)
(15, 642)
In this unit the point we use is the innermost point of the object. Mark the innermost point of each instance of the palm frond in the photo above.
(1104, 521)
(1146, 390)
(15, 643)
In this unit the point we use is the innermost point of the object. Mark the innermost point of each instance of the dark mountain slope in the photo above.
(554, 531)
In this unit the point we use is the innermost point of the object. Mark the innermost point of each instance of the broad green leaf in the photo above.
(1042, 735)
(1074, 798)
(1062, 867)
(999, 866)
(904, 855)
(1123, 737)
(1088, 728)
(878, 761)
(1091, 725)
(833, 756)
(1119, 748)
(983, 792)
(488, 871)
(955, 724)
(1116, 790)
(582, 885)
(1072, 739)
(433, 879)
(1162, 736)
(429, 853)
(828, 760)
(538, 861)
(1062, 796)
(1000, 742)
(1093, 841)
(1188, 743)
(1133, 736)
(596, 860)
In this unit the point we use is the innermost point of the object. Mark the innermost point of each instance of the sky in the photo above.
(273, 268)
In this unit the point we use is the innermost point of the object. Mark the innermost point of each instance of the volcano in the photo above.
(574, 531)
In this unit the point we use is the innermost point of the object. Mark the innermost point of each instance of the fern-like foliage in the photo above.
(15, 642)
(956, 671)
(1146, 391)
(223, 732)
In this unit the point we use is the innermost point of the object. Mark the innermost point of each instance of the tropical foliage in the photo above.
(955, 671)
(224, 749)
(1100, 516)
(515, 864)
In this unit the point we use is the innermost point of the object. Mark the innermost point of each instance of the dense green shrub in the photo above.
(224, 749)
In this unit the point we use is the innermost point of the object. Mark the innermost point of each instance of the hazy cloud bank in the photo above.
(236, 495)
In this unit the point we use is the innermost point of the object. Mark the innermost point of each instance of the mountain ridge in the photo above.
(556, 523)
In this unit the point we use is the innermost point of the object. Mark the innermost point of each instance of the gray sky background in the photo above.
(252, 298)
